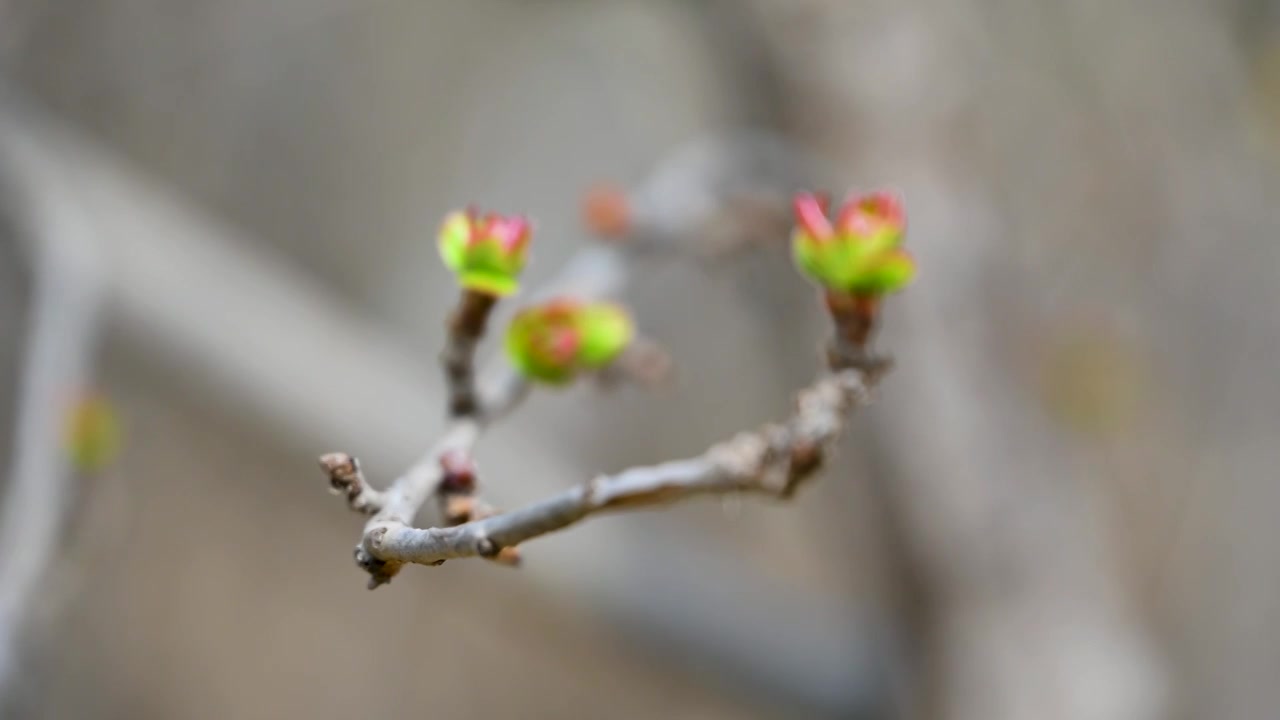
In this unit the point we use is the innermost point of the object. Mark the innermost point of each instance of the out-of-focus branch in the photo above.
(1011, 605)
(63, 332)
(645, 362)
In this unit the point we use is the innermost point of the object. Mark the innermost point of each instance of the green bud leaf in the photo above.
(894, 272)
(606, 332)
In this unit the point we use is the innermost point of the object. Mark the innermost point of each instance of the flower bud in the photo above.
(860, 253)
(487, 252)
(554, 341)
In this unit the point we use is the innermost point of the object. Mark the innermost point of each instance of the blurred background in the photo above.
(217, 261)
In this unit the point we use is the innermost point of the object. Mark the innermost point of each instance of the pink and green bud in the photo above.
(861, 252)
(554, 341)
(487, 252)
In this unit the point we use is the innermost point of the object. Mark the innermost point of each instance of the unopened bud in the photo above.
(861, 252)
(485, 252)
(557, 339)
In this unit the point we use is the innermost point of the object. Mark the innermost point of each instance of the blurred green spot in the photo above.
(92, 434)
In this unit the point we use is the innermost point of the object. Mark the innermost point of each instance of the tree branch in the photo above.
(773, 460)
(446, 472)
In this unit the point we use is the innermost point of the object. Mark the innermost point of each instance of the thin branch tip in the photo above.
(347, 479)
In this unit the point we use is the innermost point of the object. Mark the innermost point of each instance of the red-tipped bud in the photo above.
(511, 233)
(871, 213)
(555, 340)
(487, 253)
(860, 255)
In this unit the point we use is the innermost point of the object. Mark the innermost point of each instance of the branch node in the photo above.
(458, 472)
(744, 455)
(380, 571)
(486, 548)
(806, 458)
(589, 489)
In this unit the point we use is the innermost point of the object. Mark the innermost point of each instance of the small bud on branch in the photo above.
(486, 253)
(860, 254)
(553, 341)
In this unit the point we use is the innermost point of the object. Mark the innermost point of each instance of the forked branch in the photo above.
(857, 259)
(773, 460)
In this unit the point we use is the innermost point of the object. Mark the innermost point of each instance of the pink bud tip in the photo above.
(865, 213)
(563, 344)
(512, 233)
(811, 214)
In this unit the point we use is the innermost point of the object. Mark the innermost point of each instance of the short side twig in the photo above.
(466, 328)
(346, 478)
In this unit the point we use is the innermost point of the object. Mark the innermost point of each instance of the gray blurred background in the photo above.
(220, 216)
